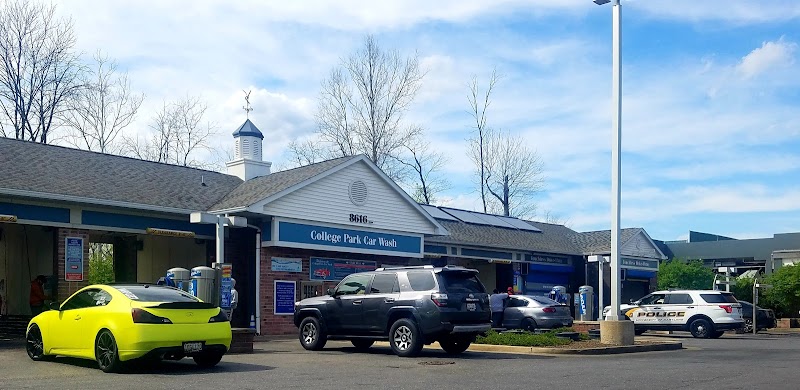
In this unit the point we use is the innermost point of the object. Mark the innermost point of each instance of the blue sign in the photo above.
(73, 259)
(284, 297)
(283, 264)
(650, 264)
(347, 238)
(335, 269)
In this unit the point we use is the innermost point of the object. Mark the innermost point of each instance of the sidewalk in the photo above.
(648, 346)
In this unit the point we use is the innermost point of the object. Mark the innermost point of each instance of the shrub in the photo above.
(525, 339)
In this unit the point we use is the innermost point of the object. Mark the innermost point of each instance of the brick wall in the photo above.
(272, 324)
(66, 288)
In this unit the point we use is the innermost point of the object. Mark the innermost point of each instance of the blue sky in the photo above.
(711, 91)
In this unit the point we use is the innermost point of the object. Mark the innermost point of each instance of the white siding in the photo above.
(328, 200)
(639, 246)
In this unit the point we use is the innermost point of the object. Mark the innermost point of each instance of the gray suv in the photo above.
(408, 306)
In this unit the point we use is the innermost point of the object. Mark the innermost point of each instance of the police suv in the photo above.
(704, 313)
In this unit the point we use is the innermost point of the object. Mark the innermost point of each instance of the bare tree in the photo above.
(479, 103)
(102, 108)
(361, 107)
(38, 69)
(178, 133)
(426, 166)
(513, 175)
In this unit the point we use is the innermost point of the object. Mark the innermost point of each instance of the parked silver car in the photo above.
(531, 312)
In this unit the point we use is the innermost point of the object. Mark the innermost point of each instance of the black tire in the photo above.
(455, 345)
(312, 335)
(748, 325)
(207, 360)
(362, 344)
(528, 324)
(106, 352)
(638, 332)
(701, 328)
(405, 338)
(34, 344)
(717, 334)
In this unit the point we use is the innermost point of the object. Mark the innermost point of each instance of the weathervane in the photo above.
(247, 107)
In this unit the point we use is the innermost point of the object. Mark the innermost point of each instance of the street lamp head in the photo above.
(601, 2)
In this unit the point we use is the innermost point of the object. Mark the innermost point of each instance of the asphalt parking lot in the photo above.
(764, 361)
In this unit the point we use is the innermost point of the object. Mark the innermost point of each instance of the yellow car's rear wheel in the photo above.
(106, 352)
(208, 360)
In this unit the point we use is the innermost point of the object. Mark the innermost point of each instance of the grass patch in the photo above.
(526, 339)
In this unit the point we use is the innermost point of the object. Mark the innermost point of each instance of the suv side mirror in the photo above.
(330, 292)
(55, 306)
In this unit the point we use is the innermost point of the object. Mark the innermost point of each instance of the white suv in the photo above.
(705, 313)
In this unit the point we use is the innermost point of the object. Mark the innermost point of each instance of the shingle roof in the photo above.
(259, 188)
(31, 166)
(600, 241)
(552, 239)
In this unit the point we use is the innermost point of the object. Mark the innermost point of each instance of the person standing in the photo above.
(234, 298)
(497, 304)
(37, 296)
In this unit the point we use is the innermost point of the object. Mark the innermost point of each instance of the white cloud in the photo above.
(737, 12)
(770, 55)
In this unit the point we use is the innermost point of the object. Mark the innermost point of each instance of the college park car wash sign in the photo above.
(73, 259)
(366, 241)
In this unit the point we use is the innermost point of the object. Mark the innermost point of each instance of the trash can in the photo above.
(586, 294)
(182, 277)
(204, 284)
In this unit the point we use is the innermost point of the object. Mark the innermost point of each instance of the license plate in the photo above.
(193, 346)
(471, 306)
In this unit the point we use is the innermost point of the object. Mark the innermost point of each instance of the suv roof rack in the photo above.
(428, 266)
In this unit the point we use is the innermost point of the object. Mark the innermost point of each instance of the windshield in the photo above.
(155, 294)
(460, 282)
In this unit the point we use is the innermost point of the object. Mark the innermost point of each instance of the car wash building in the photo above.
(306, 227)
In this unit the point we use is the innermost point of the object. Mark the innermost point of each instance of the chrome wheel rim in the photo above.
(403, 337)
(748, 326)
(106, 350)
(34, 343)
(701, 330)
(309, 333)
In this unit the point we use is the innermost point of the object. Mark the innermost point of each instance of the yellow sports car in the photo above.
(117, 323)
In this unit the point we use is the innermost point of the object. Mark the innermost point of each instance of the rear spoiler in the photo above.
(184, 305)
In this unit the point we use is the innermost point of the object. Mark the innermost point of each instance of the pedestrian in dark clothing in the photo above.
(37, 296)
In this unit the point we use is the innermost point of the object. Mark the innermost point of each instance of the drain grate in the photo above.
(436, 363)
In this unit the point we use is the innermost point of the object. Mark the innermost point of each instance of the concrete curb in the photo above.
(615, 349)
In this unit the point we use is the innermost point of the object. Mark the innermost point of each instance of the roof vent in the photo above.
(358, 193)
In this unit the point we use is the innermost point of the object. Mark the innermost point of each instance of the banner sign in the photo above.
(290, 232)
(73, 259)
(639, 263)
(284, 264)
(284, 297)
(226, 273)
(335, 269)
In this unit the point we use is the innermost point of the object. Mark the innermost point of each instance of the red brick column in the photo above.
(66, 288)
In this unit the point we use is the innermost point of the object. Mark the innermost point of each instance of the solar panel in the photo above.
(520, 224)
(466, 216)
(436, 213)
(496, 221)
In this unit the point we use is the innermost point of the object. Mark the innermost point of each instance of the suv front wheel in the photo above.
(405, 338)
(312, 336)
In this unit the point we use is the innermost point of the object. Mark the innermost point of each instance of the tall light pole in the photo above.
(616, 124)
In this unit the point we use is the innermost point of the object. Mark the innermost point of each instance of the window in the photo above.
(724, 297)
(155, 294)
(517, 302)
(460, 282)
(353, 285)
(421, 280)
(101, 298)
(385, 284)
(81, 300)
(653, 299)
(679, 299)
